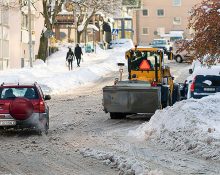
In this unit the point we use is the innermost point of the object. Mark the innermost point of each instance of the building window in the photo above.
(160, 31)
(145, 12)
(160, 12)
(24, 21)
(177, 21)
(128, 34)
(176, 2)
(5, 48)
(128, 24)
(117, 24)
(5, 17)
(145, 31)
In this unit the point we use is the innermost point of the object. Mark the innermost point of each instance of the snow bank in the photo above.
(213, 70)
(124, 43)
(125, 165)
(54, 76)
(192, 126)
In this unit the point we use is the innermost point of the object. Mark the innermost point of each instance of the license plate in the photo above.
(7, 122)
(209, 89)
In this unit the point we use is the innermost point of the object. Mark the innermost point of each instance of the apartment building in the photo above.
(14, 38)
(156, 19)
(4, 37)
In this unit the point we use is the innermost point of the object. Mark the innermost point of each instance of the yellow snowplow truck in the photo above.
(149, 86)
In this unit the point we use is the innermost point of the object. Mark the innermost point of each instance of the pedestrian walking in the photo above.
(69, 58)
(78, 53)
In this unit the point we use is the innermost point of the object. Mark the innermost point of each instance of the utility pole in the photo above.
(1, 44)
(30, 33)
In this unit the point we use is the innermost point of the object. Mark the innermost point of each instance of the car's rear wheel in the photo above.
(179, 59)
(44, 126)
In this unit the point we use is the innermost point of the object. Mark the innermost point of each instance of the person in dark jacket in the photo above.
(78, 53)
(69, 58)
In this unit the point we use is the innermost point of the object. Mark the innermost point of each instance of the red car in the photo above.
(24, 106)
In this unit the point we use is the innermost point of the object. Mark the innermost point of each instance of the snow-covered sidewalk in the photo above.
(55, 77)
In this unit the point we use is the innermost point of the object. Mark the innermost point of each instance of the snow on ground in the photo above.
(125, 165)
(54, 76)
(191, 126)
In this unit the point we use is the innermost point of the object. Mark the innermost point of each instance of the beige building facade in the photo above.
(158, 18)
(14, 38)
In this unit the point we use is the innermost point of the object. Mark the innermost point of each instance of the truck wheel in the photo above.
(115, 115)
(168, 101)
(176, 93)
(179, 59)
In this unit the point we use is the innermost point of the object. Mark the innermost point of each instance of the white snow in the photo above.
(120, 43)
(126, 165)
(191, 126)
(213, 70)
(91, 26)
(80, 28)
(54, 76)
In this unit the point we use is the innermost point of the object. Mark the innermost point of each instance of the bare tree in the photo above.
(88, 8)
(204, 21)
(51, 9)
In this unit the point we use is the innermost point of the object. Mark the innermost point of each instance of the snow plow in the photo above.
(149, 86)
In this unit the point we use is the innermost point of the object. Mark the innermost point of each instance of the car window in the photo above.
(137, 61)
(208, 80)
(29, 92)
(157, 42)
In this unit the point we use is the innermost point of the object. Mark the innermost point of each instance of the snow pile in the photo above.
(192, 126)
(54, 76)
(213, 70)
(124, 43)
(126, 166)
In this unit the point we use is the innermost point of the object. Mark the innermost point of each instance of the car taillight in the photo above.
(192, 87)
(42, 107)
(154, 84)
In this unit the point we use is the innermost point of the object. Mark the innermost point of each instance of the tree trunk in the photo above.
(42, 52)
(79, 36)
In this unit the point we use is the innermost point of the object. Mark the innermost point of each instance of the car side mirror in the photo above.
(190, 71)
(47, 97)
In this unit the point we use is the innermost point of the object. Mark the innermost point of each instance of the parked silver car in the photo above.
(181, 56)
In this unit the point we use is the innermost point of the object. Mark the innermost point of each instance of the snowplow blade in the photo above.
(131, 99)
